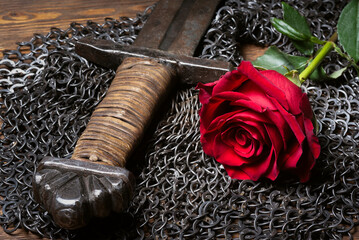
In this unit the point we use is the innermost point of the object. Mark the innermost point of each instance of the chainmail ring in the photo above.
(48, 94)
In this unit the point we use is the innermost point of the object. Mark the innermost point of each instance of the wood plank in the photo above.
(20, 19)
(250, 52)
(20, 234)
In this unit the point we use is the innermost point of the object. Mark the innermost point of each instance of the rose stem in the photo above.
(328, 46)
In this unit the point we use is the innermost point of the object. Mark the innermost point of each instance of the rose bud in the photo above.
(258, 124)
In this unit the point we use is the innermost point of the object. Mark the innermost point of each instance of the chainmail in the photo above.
(48, 94)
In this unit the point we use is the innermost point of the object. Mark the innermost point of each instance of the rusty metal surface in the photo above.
(177, 26)
(192, 70)
(165, 12)
(185, 38)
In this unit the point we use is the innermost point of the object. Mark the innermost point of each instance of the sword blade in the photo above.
(177, 26)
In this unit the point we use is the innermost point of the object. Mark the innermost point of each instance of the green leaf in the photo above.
(337, 73)
(293, 76)
(299, 23)
(305, 47)
(350, 59)
(315, 124)
(316, 40)
(295, 20)
(348, 29)
(340, 52)
(281, 62)
(319, 75)
(288, 30)
(295, 27)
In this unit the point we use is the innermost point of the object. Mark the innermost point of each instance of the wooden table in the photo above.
(20, 19)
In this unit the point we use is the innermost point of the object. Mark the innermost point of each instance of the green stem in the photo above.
(318, 58)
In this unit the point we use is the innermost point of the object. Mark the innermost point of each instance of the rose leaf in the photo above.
(337, 73)
(295, 26)
(348, 29)
(279, 61)
(293, 76)
(315, 124)
(288, 30)
(319, 75)
(305, 47)
(295, 19)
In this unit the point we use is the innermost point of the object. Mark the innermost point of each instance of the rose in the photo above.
(257, 124)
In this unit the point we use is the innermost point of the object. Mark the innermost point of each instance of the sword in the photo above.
(94, 181)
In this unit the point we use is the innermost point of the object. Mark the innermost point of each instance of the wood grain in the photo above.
(20, 19)
(250, 52)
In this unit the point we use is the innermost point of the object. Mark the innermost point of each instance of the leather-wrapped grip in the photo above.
(118, 123)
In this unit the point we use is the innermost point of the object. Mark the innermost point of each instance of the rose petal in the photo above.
(276, 139)
(245, 140)
(236, 172)
(272, 170)
(207, 144)
(239, 100)
(312, 140)
(290, 158)
(219, 121)
(259, 97)
(255, 133)
(246, 151)
(281, 125)
(292, 122)
(212, 111)
(241, 137)
(229, 82)
(248, 104)
(305, 106)
(205, 91)
(293, 93)
(227, 155)
(258, 169)
(247, 69)
(257, 129)
(235, 137)
(305, 164)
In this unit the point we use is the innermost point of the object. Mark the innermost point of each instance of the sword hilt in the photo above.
(94, 182)
(75, 190)
(118, 123)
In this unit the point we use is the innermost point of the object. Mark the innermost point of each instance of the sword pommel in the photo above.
(75, 191)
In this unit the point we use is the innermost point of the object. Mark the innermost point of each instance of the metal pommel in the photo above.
(75, 191)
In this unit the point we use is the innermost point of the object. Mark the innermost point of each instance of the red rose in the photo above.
(257, 124)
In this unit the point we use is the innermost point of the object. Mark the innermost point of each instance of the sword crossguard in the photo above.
(190, 70)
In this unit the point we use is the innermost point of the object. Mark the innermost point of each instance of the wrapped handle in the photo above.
(118, 123)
